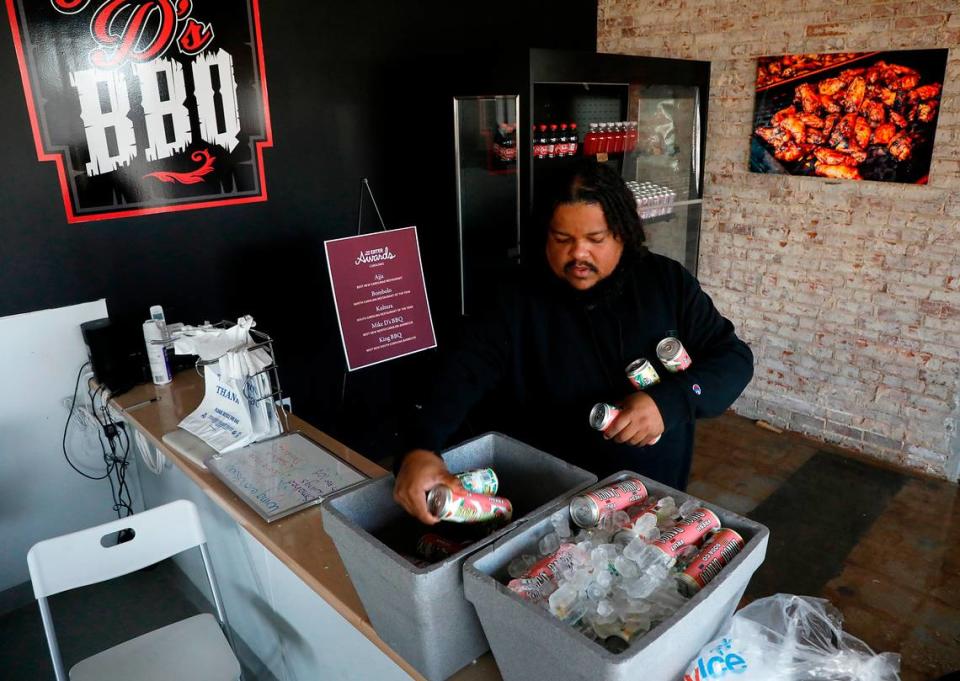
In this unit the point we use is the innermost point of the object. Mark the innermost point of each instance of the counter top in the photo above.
(298, 540)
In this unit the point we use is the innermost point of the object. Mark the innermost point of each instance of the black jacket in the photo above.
(549, 352)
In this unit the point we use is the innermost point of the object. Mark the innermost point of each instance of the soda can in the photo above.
(587, 509)
(435, 548)
(602, 415)
(717, 552)
(672, 355)
(688, 532)
(540, 580)
(460, 506)
(641, 373)
(479, 481)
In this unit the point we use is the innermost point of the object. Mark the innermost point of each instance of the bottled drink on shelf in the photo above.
(563, 140)
(572, 140)
(603, 138)
(542, 141)
(535, 142)
(591, 139)
(504, 145)
(552, 141)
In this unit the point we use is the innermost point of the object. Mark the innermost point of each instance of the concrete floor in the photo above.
(882, 545)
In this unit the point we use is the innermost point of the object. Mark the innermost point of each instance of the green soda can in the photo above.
(480, 481)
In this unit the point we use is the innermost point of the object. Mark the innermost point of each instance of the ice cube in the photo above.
(687, 507)
(620, 519)
(666, 509)
(561, 524)
(644, 525)
(549, 544)
(627, 569)
(604, 578)
(518, 566)
(605, 608)
(562, 600)
(596, 591)
(640, 587)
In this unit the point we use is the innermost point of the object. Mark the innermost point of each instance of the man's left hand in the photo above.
(639, 422)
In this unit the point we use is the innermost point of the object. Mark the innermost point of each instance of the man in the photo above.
(560, 343)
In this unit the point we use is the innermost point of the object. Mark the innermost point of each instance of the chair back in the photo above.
(80, 559)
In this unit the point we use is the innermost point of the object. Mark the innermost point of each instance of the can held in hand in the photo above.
(479, 481)
(717, 552)
(602, 415)
(641, 373)
(672, 355)
(688, 532)
(587, 509)
(460, 506)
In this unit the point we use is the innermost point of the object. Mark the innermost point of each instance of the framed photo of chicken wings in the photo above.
(848, 115)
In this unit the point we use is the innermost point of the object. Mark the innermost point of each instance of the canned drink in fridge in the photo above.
(672, 355)
(688, 532)
(435, 548)
(542, 577)
(602, 415)
(480, 481)
(641, 373)
(587, 509)
(460, 506)
(717, 552)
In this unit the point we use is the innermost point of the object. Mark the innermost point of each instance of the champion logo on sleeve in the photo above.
(696, 388)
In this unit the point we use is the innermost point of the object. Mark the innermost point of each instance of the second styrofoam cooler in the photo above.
(421, 612)
(530, 643)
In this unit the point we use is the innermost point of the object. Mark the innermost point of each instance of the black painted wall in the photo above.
(353, 93)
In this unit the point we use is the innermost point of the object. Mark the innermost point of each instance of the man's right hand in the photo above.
(421, 471)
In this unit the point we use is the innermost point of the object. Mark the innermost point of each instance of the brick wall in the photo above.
(848, 292)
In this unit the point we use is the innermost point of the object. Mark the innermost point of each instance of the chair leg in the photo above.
(51, 635)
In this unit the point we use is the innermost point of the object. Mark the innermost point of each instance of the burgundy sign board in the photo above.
(380, 296)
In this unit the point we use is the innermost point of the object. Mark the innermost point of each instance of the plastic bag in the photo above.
(790, 638)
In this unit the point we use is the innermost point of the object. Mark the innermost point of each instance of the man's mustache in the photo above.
(579, 263)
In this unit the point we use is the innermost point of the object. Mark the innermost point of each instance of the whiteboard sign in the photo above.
(279, 476)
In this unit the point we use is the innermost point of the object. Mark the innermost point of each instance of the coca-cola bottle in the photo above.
(563, 141)
(590, 140)
(543, 141)
(631, 143)
(572, 140)
(619, 138)
(552, 141)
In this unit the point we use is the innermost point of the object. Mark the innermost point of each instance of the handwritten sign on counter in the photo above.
(380, 296)
(279, 476)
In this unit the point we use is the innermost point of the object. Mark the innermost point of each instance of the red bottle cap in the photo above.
(553, 126)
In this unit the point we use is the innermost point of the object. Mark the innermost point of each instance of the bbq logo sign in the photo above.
(145, 107)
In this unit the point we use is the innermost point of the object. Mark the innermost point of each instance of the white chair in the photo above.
(192, 649)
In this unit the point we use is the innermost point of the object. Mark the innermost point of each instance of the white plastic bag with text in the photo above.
(790, 638)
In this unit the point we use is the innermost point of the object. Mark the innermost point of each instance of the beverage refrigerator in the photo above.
(513, 126)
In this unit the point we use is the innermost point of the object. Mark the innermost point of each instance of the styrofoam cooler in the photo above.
(421, 612)
(528, 642)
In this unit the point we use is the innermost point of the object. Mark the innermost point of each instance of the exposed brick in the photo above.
(849, 292)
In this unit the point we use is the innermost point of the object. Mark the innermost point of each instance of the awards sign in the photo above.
(380, 296)
(145, 106)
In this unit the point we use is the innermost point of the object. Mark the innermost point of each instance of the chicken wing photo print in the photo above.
(848, 115)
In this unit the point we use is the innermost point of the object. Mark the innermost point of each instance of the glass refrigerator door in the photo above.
(662, 168)
(488, 189)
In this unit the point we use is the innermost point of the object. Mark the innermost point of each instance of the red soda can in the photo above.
(673, 355)
(688, 532)
(434, 548)
(533, 586)
(460, 506)
(602, 415)
(717, 552)
(587, 509)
